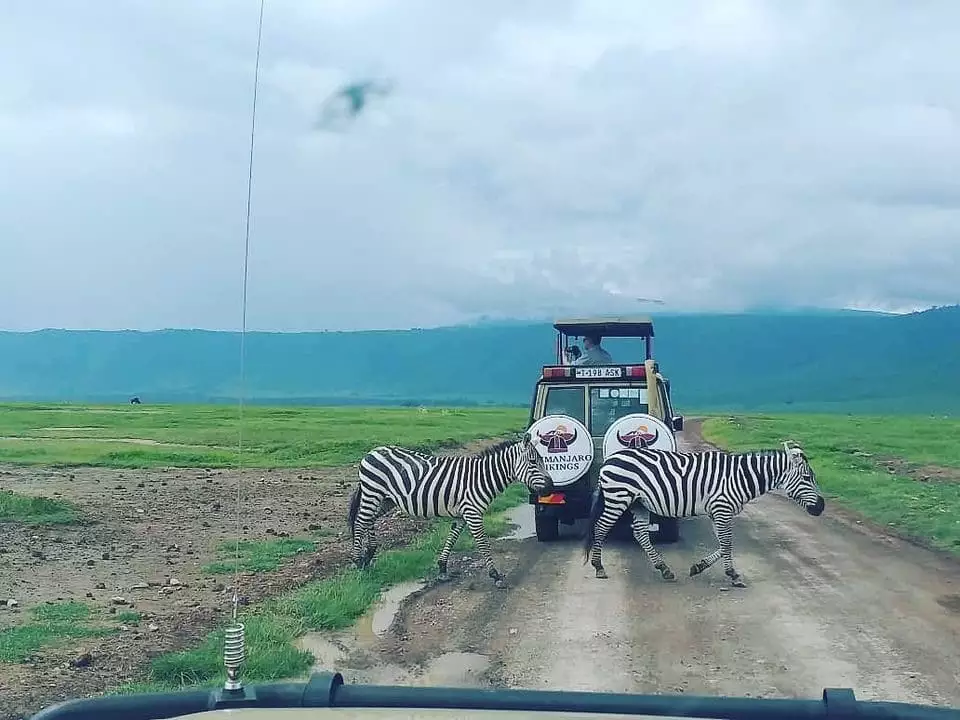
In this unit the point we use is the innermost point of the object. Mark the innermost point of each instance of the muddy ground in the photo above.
(142, 530)
(831, 602)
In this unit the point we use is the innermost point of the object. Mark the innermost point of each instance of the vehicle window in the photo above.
(566, 401)
(609, 404)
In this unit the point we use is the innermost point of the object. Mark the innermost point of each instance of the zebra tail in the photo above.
(354, 509)
(596, 511)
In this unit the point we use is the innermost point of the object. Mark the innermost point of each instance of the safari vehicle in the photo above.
(325, 696)
(580, 414)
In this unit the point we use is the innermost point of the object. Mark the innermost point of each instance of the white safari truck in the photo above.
(580, 414)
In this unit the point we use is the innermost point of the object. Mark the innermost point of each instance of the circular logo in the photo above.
(638, 430)
(566, 447)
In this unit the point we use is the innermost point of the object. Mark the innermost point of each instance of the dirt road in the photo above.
(830, 602)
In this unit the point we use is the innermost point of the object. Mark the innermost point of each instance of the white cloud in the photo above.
(543, 157)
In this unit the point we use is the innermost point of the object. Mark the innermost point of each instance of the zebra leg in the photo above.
(474, 522)
(640, 524)
(723, 529)
(455, 529)
(362, 530)
(702, 565)
(386, 505)
(601, 529)
(364, 545)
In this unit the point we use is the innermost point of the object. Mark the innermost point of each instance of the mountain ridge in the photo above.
(758, 361)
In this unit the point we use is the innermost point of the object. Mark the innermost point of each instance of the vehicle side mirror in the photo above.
(678, 423)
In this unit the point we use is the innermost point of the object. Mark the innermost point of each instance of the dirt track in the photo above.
(830, 602)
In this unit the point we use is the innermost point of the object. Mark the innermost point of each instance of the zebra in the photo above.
(459, 487)
(685, 484)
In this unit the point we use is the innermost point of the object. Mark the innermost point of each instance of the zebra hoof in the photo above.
(601, 573)
(500, 584)
(696, 569)
(443, 577)
(665, 572)
(737, 582)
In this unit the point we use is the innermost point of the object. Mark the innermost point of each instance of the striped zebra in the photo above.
(459, 487)
(685, 484)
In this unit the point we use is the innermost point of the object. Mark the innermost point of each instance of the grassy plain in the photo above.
(901, 471)
(138, 436)
(122, 457)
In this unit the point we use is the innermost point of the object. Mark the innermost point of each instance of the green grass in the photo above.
(850, 456)
(51, 624)
(29, 510)
(206, 436)
(128, 617)
(288, 437)
(257, 555)
(332, 604)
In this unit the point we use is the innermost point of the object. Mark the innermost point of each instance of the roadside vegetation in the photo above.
(36, 510)
(125, 437)
(49, 624)
(138, 436)
(901, 471)
(335, 603)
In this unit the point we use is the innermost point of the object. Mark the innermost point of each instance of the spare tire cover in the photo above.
(638, 430)
(565, 445)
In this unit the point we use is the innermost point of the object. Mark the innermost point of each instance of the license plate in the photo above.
(598, 372)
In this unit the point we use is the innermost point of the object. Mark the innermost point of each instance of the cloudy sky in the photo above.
(535, 157)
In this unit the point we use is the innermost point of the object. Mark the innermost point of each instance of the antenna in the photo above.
(234, 646)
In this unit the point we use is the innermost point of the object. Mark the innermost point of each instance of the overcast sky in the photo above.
(534, 157)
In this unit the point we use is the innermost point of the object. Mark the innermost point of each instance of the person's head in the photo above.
(591, 341)
(573, 352)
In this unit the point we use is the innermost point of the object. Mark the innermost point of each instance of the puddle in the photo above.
(376, 621)
(327, 654)
(522, 517)
(328, 649)
(455, 669)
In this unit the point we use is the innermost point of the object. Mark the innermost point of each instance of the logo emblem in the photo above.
(558, 440)
(639, 437)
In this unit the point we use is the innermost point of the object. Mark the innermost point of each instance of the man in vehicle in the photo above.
(593, 354)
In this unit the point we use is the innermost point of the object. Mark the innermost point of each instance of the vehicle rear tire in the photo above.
(547, 525)
(669, 531)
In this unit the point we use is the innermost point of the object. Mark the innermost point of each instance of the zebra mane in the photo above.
(762, 452)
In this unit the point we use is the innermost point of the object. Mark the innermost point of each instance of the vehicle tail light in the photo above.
(553, 499)
(636, 371)
(556, 372)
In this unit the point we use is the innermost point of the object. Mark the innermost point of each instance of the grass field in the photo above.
(94, 494)
(904, 472)
(901, 471)
(133, 436)
(330, 604)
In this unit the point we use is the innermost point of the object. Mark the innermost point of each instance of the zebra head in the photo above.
(530, 468)
(799, 481)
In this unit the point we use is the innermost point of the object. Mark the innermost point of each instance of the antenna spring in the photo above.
(234, 653)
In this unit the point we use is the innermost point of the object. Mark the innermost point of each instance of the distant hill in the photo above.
(762, 361)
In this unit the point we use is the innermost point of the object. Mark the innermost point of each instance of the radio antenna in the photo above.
(234, 646)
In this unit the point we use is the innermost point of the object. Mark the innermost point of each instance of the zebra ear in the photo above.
(793, 449)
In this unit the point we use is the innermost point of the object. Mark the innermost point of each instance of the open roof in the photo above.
(635, 326)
